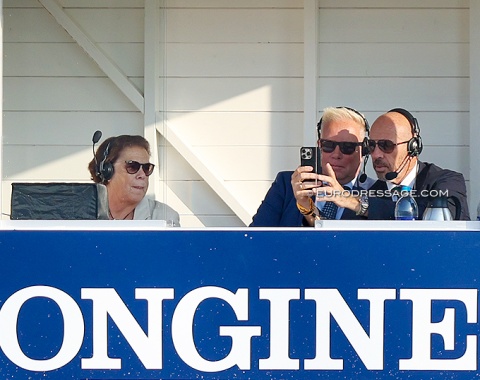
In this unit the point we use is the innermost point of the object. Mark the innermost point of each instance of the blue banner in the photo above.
(239, 304)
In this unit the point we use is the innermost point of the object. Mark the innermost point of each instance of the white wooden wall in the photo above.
(410, 54)
(56, 96)
(230, 112)
(234, 92)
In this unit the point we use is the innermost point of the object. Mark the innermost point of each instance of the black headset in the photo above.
(365, 149)
(414, 145)
(105, 168)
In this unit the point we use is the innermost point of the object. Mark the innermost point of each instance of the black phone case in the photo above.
(311, 156)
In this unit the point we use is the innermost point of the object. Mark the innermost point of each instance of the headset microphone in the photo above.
(96, 138)
(363, 176)
(391, 175)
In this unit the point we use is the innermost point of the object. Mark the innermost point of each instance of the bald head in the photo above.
(392, 124)
(395, 127)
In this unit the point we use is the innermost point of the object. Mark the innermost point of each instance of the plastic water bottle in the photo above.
(406, 207)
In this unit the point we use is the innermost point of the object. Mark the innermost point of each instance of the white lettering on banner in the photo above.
(73, 328)
(423, 328)
(328, 302)
(279, 328)
(369, 349)
(182, 331)
(108, 302)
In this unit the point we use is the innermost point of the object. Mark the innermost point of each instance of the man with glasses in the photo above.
(395, 144)
(291, 200)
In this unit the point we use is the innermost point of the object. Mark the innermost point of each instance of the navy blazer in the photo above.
(279, 208)
(429, 177)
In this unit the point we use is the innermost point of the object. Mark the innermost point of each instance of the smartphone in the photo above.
(311, 156)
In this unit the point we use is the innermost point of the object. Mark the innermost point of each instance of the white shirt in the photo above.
(409, 181)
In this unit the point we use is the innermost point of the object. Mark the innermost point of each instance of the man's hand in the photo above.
(333, 191)
(304, 182)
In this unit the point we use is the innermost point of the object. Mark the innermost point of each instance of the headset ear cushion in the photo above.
(420, 144)
(365, 149)
(106, 171)
(319, 128)
(413, 147)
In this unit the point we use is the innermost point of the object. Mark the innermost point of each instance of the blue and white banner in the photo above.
(239, 304)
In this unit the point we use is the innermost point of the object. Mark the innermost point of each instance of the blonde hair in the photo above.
(341, 113)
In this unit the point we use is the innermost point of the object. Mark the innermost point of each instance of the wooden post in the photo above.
(310, 54)
(1, 109)
(474, 175)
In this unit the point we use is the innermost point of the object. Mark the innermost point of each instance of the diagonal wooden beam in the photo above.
(105, 64)
(154, 68)
(214, 181)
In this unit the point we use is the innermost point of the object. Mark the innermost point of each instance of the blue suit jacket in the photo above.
(279, 208)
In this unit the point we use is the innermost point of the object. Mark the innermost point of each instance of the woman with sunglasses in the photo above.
(123, 165)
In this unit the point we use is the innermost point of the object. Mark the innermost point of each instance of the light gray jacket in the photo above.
(151, 209)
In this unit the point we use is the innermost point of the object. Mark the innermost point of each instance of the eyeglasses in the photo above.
(386, 146)
(133, 167)
(346, 147)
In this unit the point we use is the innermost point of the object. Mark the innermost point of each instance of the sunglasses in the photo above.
(346, 147)
(385, 146)
(133, 167)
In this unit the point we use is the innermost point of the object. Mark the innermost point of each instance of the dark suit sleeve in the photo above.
(431, 180)
(278, 209)
(380, 207)
(449, 182)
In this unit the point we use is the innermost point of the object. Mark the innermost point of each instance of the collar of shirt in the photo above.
(351, 184)
(409, 181)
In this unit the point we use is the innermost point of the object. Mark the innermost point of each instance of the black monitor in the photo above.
(59, 201)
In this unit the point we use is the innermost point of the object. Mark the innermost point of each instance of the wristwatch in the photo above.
(363, 205)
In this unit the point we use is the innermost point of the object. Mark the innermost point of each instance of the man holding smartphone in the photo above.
(291, 201)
